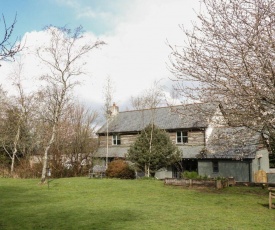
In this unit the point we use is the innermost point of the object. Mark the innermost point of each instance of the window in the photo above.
(259, 163)
(182, 137)
(215, 165)
(116, 139)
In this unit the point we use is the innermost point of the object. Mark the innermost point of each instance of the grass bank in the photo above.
(82, 203)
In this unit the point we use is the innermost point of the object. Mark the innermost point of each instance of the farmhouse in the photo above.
(208, 145)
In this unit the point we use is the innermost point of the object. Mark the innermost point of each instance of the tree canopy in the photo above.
(153, 149)
(228, 58)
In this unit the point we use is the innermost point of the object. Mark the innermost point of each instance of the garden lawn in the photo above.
(82, 203)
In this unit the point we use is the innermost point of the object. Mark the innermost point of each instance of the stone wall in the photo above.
(194, 138)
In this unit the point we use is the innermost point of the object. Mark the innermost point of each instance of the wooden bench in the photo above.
(271, 196)
(97, 171)
(96, 174)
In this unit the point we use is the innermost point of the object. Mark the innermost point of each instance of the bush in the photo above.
(190, 175)
(193, 175)
(23, 169)
(120, 169)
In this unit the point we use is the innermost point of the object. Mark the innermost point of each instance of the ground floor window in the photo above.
(215, 165)
(190, 165)
(259, 163)
(176, 172)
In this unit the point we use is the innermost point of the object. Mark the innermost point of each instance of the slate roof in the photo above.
(190, 152)
(117, 151)
(233, 143)
(168, 118)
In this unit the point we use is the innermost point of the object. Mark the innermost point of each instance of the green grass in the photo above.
(82, 203)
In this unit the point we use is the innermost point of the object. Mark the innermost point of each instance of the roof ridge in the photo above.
(164, 107)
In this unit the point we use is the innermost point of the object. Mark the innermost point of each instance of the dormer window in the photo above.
(182, 137)
(116, 139)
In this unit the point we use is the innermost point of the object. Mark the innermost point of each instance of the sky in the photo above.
(136, 32)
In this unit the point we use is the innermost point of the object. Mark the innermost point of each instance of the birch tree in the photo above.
(24, 106)
(228, 58)
(149, 98)
(3, 101)
(17, 111)
(108, 94)
(63, 56)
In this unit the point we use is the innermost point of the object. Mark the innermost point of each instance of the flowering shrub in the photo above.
(120, 169)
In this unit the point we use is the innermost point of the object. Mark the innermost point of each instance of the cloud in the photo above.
(136, 52)
(84, 9)
(89, 13)
(68, 3)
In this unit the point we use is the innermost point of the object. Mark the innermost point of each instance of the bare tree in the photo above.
(3, 125)
(3, 101)
(23, 103)
(17, 113)
(75, 141)
(150, 98)
(108, 94)
(7, 48)
(63, 57)
(228, 58)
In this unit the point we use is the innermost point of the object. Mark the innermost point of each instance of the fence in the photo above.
(204, 183)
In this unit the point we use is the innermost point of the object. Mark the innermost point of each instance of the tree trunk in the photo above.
(46, 154)
(150, 149)
(14, 152)
(13, 160)
(147, 170)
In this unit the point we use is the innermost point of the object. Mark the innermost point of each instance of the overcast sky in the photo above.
(136, 33)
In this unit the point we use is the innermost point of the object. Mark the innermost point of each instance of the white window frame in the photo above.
(116, 139)
(183, 138)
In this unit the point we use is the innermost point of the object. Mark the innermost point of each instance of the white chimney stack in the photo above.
(114, 110)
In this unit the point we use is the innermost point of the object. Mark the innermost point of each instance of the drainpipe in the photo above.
(249, 170)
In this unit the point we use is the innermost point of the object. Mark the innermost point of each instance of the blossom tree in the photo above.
(228, 58)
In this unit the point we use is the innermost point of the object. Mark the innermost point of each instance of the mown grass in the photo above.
(82, 203)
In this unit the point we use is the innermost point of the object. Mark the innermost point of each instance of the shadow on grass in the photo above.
(74, 219)
(265, 205)
(9, 192)
(116, 219)
(46, 213)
